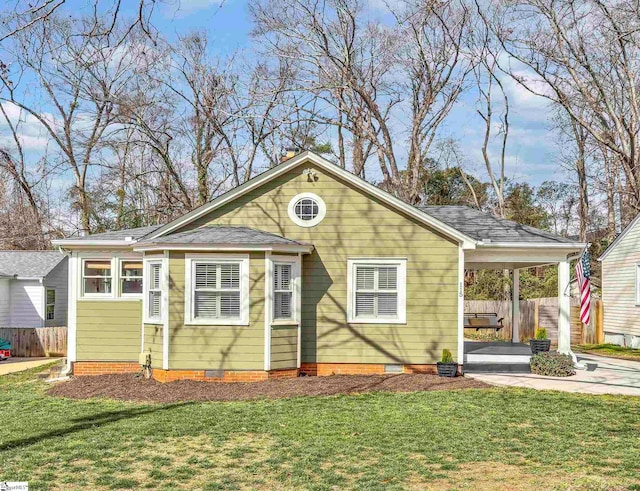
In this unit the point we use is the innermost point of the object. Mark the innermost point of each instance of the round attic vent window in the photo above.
(307, 209)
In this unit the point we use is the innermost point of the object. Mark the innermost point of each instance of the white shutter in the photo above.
(365, 304)
(206, 304)
(376, 294)
(283, 291)
(155, 277)
(230, 305)
(155, 291)
(387, 304)
(365, 277)
(217, 291)
(206, 275)
(155, 300)
(388, 278)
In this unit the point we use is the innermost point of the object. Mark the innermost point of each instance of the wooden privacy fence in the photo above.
(543, 312)
(36, 341)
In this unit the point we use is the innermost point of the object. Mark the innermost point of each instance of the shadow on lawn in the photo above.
(88, 422)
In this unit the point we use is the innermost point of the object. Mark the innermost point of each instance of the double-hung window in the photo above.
(51, 304)
(130, 277)
(96, 277)
(377, 291)
(218, 291)
(282, 291)
(153, 295)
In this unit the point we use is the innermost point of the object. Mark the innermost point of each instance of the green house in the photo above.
(305, 268)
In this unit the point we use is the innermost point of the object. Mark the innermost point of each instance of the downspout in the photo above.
(71, 299)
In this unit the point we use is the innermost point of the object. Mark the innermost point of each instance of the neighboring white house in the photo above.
(33, 289)
(621, 287)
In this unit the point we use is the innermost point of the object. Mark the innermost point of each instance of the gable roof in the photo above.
(29, 264)
(488, 228)
(331, 168)
(469, 227)
(222, 235)
(619, 238)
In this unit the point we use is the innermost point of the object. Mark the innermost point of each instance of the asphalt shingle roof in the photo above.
(134, 233)
(218, 234)
(29, 264)
(484, 226)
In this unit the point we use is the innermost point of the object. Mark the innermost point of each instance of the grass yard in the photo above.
(612, 350)
(499, 439)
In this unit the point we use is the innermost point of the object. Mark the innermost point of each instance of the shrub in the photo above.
(447, 357)
(541, 334)
(552, 364)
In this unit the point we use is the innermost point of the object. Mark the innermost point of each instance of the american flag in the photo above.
(583, 273)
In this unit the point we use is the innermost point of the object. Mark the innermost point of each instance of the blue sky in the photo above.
(532, 145)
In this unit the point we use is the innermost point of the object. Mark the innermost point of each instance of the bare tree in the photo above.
(582, 56)
(79, 78)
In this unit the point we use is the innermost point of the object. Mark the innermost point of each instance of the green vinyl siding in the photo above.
(355, 225)
(284, 347)
(216, 347)
(153, 343)
(108, 330)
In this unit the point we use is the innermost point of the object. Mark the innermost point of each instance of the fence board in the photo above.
(542, 312)
(36, 342)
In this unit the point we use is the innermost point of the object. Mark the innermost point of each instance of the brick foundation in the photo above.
(82, 368)
(226, 376)
(326, 369)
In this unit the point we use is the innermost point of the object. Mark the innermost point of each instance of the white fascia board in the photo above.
(466, 241)
(304, 249)
(617, 240)
(532, 245)
(92, 243)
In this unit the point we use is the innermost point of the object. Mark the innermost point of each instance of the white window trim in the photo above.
(401, 263)
(189, 262)
(46, 303)
(120, 294)
(296, 288)
(322, 210)
(164, 288)
(114, 258)
(97, 296)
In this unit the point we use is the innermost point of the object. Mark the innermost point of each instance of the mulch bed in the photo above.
(129, 387)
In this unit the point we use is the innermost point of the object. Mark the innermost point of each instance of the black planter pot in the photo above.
(449, 369)
(539, 345)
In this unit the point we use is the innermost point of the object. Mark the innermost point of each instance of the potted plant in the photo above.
(447, 367)
(541, 342)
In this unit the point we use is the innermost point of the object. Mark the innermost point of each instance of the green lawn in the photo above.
(473, 439)
(612, 350)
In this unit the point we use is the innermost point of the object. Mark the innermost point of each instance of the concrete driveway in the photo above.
(601, 376)
(12, 365)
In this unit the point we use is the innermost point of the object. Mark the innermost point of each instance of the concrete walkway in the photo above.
(12, 365)
(602, 376)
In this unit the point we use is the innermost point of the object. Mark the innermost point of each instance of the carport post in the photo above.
(564, 309)
(515, 307)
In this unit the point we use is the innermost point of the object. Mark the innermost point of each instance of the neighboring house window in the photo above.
(51, 304)
(377, 291)
(218, 292)
(282, 291)
(96, 277)
(130, 277)
(154, 291)
(307, 209)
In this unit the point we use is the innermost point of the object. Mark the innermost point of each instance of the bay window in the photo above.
(217, 290)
